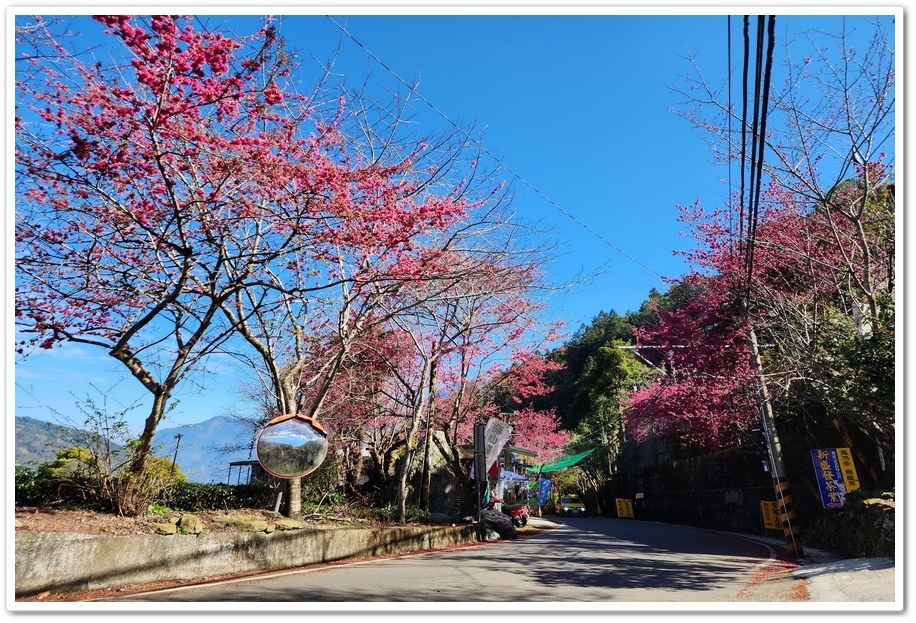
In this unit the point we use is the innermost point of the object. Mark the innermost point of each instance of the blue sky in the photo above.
(577, 106)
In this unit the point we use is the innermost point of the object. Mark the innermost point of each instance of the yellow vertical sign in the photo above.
(770, 515)
(848, 469)
(624, 507)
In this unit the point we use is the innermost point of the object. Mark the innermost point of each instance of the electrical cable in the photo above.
(753, 168)
(758, 144)
(744, 122)
(761, 104)
(502, 164)
(728, 74)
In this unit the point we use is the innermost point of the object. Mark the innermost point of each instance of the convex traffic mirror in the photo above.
(291, 446)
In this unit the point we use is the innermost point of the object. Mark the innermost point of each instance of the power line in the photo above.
(758, 143)
(728, 73)
(490, 154)
(744, 120)
(763, 73)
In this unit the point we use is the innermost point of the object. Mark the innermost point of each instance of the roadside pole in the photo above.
(786, 509)
(480, 474)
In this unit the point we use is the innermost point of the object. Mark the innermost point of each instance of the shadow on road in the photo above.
(592, 559)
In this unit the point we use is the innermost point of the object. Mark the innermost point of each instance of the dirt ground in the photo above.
(33, 519)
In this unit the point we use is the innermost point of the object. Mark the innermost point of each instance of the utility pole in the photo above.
(785, 506)
(480, 474)
(757, 134)
(175, 458)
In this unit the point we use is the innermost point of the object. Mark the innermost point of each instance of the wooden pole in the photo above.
(786, 509)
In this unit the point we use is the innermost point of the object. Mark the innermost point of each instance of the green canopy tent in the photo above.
(566, 461)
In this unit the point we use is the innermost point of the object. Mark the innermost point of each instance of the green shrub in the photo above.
(33, 488)
(321, 487)
(41, 487)
(389, 514)
(79, 478)
(192, 496)
(863, 528)
(158, 510)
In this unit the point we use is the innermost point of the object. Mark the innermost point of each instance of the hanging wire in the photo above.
(484, 150)
(763, 75)
(728, 114)
(750, 226)
(744, 122)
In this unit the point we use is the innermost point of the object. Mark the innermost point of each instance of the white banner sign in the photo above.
(495, 434)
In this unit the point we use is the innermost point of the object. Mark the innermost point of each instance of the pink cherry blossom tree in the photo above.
(820, 289)
(171, 199)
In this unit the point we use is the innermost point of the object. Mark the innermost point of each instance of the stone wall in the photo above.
(62, 562)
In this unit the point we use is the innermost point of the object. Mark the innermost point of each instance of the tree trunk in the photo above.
(430, 412)
(130, 496)
(354, 469)
(294, 495)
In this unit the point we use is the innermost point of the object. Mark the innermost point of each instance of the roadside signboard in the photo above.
(488, 443)
(836, 475)
(624, 507)
(496, 434)
(543, 491)
(850, 476)
(770, 515)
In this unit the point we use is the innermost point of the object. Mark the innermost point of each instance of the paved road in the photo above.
(595, 559)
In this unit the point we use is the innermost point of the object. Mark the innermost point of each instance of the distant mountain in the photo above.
(204, 450)
(37, 441)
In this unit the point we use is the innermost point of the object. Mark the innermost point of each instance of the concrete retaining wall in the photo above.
(61, 562)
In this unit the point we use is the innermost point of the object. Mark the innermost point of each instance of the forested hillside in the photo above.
(202, 451)
(37, 441)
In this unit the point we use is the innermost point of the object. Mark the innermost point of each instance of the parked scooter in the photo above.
(519, 513)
